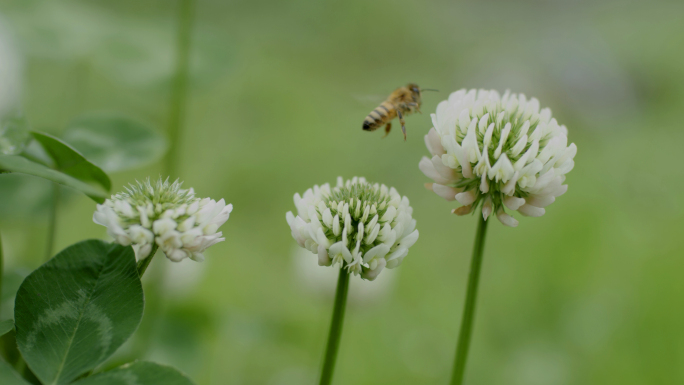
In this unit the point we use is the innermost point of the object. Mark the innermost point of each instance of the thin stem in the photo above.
(52, 221)
(142, 264)
(335, 327)
(154, 307)
(469, 307)
(180, 84)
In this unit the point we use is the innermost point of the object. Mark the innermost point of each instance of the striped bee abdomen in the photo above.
(380, 116)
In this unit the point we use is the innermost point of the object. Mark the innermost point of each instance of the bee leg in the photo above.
(388, 127)
(401, 120)
(415, 105)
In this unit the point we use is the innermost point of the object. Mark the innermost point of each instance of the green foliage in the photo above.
(13, 163)
(8, 376)
(115, 142)
(14, 134)
(6, 327)
(11, 280)
(138, 373)
(73, 312)
(71, 162)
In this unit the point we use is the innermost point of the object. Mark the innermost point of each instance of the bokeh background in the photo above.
(590, 293)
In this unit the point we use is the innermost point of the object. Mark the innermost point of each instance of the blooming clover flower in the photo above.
(366, 226)
(182, 225)
(497, 152)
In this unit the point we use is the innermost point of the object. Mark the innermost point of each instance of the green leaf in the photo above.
(138, 373)
(8, 376)
(13, 163)
(14, 134)
(71, 162)
(6, 326)
(11, 280)
(73, 312)
(115, 142)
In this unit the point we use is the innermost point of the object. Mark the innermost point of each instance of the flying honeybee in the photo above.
(401, 102)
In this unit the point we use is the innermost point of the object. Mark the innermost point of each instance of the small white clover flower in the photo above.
(497, 153)
(365, 227)
(182, 225)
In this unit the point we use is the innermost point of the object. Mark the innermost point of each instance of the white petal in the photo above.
(502, 170)
(538, 200)
(323, 258)
(506, 219)
(531, 211)
(327, 217)
(513, 203)
(336, 225)
(396, 258)
(434, 143)
(409, 240)
(484, 185)
(446, 192)
(463, 210)
(389, 214)
(428, 168)
(466, 198)
(378, 251)
(487, 207)
(372, 274)
(370, 238)
(445, 172)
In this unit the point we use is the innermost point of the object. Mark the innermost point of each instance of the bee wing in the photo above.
(370, 100)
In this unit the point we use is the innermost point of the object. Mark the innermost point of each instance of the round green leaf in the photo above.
(73, 312)
(138, 373)
(115, 142)
(8, 376)
(13, 163)
(71, 162)
(6, 326)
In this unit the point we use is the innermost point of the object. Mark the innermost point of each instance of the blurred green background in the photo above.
(590, 293)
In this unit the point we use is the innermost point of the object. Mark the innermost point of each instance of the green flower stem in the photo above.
(180, 84)
(142, 264)
(335, 327)
(177, 103)
(52, 221)
(469, 307)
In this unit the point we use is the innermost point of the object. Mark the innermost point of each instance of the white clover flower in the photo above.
(497, 153)
(365, 227)
(182, 225)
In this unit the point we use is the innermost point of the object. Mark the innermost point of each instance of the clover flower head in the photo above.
(364, 227)
(182, 225)
(497, 152)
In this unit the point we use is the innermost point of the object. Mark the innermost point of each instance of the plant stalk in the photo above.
(335, 327)
(469, 307)
(179, 91)
(154, 307)
(143, 263)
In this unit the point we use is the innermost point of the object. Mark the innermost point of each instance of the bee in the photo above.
(401, 102)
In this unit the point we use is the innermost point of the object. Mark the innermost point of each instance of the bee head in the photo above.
(414, 88)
